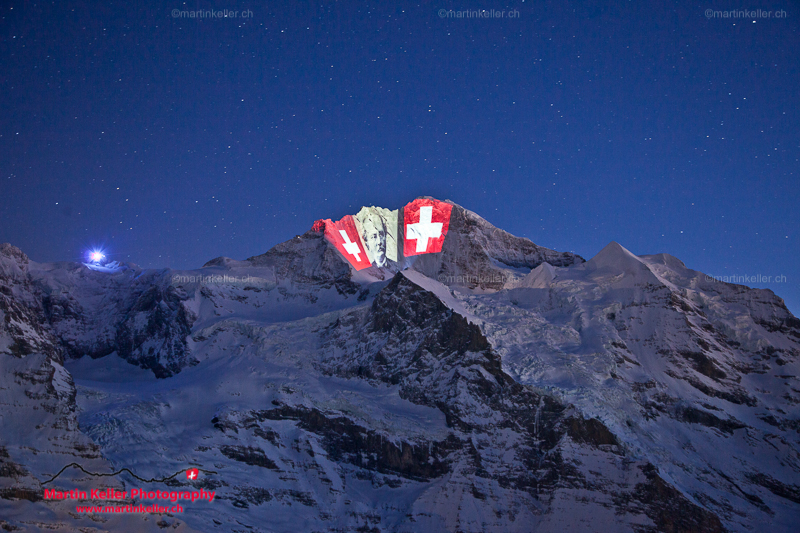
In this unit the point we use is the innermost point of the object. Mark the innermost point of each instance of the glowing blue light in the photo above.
(96, 256)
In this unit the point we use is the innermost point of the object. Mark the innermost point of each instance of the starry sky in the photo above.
(169, 141)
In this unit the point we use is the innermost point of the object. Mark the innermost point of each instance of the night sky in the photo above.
(171, 141)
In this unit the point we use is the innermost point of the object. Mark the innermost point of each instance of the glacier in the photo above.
(495, 386)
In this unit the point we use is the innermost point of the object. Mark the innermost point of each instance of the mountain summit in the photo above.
(400, 370)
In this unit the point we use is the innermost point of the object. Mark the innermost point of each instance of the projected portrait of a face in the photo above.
(378, 229)
(374, 236)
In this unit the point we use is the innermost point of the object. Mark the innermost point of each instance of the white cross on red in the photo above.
(349, 246)
(424, 229)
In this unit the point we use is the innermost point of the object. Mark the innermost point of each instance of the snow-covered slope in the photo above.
(478, 255)
(496, 386)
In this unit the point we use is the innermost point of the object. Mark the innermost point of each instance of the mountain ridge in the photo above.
(493, 386)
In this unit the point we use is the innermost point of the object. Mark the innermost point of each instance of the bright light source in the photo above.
(96, 256)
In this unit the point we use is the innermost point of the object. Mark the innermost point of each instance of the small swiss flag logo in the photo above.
(425, 225)
(192, 473)
(344, 235)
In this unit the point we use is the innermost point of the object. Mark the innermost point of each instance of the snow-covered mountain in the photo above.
(494, 386)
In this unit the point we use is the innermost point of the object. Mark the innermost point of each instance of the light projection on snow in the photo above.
(373, 236)
(426, 223)
(378, 230)
(346, 238)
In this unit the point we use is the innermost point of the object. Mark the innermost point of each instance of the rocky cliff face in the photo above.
(38, 411)
(496, 386)
(478, 255)
(509, 442)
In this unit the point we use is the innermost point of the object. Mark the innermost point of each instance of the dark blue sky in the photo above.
(171, 141)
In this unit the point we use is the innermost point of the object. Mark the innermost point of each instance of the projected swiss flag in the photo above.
(425, 225)
(345, 237)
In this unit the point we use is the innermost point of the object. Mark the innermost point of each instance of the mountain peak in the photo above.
(440, 239)
(616, 257)
(9, 250)
(337, 383)
(621, 266)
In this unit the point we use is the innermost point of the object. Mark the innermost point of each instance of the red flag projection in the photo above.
(425, 226)
(370, 238)
(345, 237)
